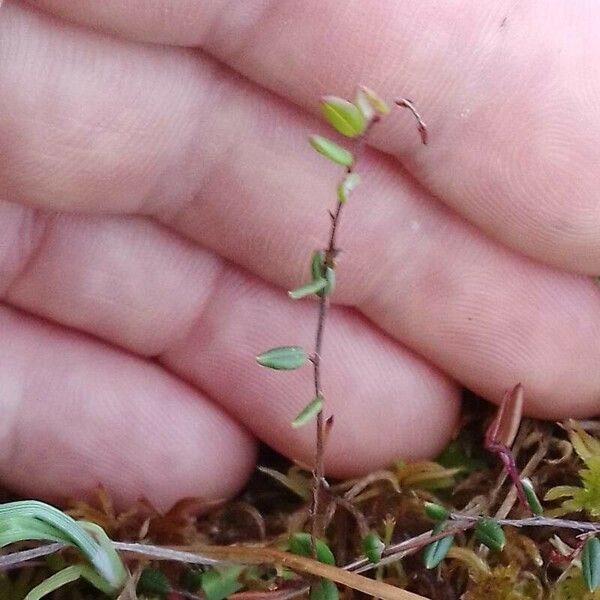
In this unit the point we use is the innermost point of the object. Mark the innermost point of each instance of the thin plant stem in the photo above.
(421, 126)
(329, 262)
(537, 522)
(212, 555)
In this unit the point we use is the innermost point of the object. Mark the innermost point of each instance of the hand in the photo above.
(156, 201)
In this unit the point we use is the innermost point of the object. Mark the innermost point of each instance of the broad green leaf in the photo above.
(324, 589)
(590, 563)
(308, 412)
(300, 543)
(31, 519)
(435, 511)
(107, 557)
(41, 517)
(343, 116)
(218, 583)
(435, 552)
(489, 533)
(282, 358)
(531, 497)
(373, 547)
(312, 287)
(346, 186)
(331, 150)
(17, 529)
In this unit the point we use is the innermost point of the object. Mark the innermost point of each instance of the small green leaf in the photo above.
(331, 150)
(590, 563)
(531, 497)
(435, 552)
(315, 286)
(282, 358)
(435, 511)
(153, 582)
(217, 584)
(34, 520)
(343, 116)
(324, 589)
(293, 480)
(373, 547)
(489, 533)
(369, 102)
(320, 272)
(308, 412)
(300, 543)
(362, 103)
(330, 281)
(316, 264)
(347, 185)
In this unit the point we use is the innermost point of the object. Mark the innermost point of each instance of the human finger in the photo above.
(134, 284)
(78, 413)
(509, 90)
(255, 192)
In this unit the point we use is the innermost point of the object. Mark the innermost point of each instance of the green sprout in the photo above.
(34, 520)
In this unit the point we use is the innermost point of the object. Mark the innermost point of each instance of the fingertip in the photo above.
(412, 425)
(78, 413)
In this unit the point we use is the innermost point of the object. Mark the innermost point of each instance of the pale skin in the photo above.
(171, 136)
